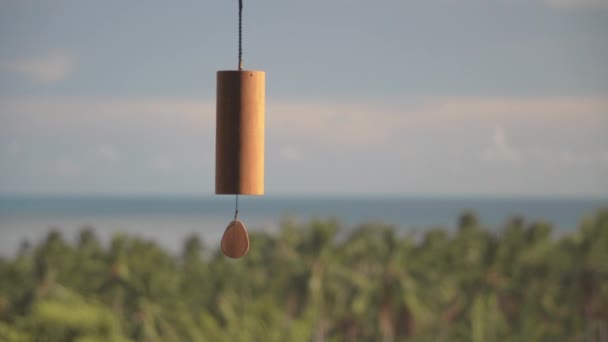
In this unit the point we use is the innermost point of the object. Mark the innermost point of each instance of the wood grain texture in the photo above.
(239, 144)
(235, 241)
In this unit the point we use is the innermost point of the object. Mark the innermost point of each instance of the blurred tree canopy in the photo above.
(317, 281)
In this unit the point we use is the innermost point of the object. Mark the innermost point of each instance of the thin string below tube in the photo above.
(236, 210)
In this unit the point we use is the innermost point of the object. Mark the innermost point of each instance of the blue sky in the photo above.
(506, 97)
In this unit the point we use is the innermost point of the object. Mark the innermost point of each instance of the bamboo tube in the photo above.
(239, 144)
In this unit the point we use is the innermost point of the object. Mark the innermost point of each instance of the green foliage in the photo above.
(317, 282)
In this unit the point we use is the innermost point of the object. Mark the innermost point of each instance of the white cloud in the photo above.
(342, 125)
(356, 125)
(405, 144)
(349, 124)
(61, 115)
(51, 68)
(501, 151)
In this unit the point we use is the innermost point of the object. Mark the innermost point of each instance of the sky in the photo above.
(419, 97)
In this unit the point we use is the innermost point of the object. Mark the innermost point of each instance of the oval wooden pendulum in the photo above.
(239, 148)
(235, 242)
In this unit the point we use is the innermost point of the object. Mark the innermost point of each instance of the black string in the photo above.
(240, 34)
(236, 210)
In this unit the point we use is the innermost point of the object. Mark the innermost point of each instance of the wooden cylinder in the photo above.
(239, 135)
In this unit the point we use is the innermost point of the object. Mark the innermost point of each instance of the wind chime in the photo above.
(239, 142)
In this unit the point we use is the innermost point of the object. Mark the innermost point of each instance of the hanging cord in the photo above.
(240, 34)
(236, 210)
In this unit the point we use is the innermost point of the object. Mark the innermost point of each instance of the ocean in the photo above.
(169, 220)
